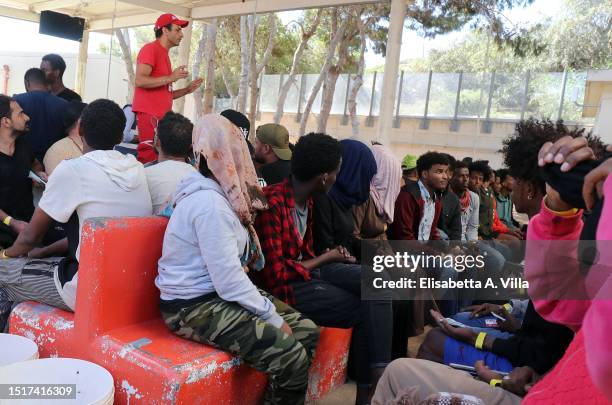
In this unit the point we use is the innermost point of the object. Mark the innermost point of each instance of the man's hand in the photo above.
(465, 335)
(593, 182)
(339, 254)
(18, 226)
(567, 152)
(347, 255)
(519, 381)
(179, 73)
(194, 85)
(286, 328)
(516, 232)
(44, 177)
(456, 251)
(482, 309)
(511, 324)
(485, 373)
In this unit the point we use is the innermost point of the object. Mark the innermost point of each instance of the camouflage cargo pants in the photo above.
(228, 326)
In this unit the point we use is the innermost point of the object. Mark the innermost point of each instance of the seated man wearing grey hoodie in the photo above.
(101, 183)
(206, 295)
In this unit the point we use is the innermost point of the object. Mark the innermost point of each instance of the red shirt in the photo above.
(156, 101)
(281, 242)
(498, 225)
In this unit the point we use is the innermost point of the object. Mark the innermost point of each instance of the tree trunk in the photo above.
(244, 66)
(258, 68)
(197, 65)
(357, 81)
(228, 85)
(331, 78)
(329, 88)
(126, 54)
(253, 23)
(211, 45)
(331, 51)
(327, 99)
(297, 55)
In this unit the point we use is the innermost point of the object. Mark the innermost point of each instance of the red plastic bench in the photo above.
(118, 326)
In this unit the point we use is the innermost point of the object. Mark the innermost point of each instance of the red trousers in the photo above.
(147, 124)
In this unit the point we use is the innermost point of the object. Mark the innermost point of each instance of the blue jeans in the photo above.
(333, 298)
(496, 255)
(502, 248)
(449, 304)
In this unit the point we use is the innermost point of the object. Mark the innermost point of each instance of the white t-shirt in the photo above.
(97, 184)
(163, 178)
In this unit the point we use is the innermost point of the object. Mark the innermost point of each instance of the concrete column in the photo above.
(79, 84)
(184, 48)
(392, 60)
(603, 122)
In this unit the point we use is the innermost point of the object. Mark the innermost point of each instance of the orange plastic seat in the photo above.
(118, 326)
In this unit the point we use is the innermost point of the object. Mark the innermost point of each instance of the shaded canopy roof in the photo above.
(104, 15)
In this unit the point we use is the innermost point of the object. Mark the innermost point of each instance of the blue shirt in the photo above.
(46, 127)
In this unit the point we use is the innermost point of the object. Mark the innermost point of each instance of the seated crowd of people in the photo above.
(265, 243)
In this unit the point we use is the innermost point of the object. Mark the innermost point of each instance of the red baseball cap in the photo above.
(166, 19)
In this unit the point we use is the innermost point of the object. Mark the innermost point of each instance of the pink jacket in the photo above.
(552, 270)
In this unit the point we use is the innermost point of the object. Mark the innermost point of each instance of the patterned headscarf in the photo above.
(385, 186)
(227, 156)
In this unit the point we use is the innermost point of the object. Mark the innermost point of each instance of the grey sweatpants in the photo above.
(25, 279)
(415, 380)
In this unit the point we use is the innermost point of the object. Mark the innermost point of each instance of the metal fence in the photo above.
(490, 96)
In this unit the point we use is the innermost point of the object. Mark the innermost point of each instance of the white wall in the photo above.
(96, 77)
(468, 140)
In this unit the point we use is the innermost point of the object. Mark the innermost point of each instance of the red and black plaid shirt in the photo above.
(281, 242)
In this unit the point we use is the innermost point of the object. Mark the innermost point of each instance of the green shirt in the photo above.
(504, 209)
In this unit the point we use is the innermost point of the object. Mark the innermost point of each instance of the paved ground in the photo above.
(345, 394)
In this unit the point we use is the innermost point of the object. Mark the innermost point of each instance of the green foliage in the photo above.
(582, 37)
(435, 17)
(579, 38)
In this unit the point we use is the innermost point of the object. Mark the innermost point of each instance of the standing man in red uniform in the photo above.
(153, 94)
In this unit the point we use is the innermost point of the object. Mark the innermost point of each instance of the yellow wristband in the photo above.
(566, 213)
(7, 221)
(508, 307)
(494, 382)
(480, 340)
(3, 254)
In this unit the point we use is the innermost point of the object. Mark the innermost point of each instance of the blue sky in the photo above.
(413, 46)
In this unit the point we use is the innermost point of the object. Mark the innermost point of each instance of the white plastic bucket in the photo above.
(15, 348)
(94, 384)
